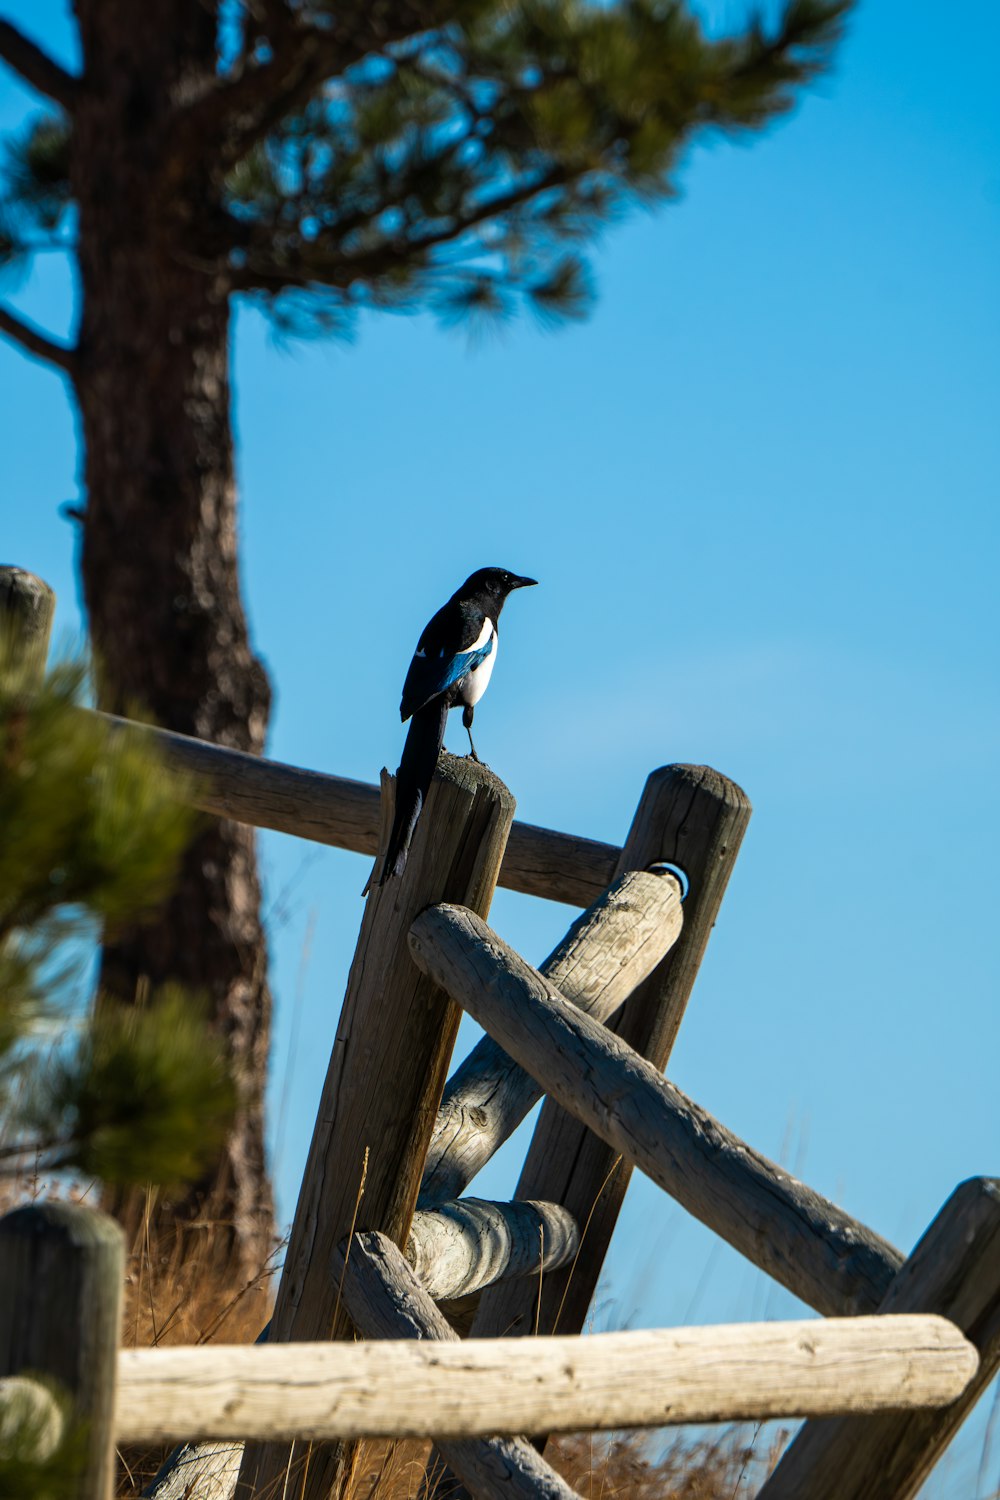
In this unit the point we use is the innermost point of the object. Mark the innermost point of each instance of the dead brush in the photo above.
(728, 1464)
(168, 1301)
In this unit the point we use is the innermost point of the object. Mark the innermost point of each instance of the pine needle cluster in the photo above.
(40, 1457)
(92, 832)
(459, 158)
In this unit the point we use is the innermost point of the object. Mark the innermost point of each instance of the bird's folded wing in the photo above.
(429, 676)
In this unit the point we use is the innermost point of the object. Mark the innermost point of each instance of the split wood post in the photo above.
(609, 950)
(955, 1271)
(27, 606)
(383, 1088)
(693, 817)
(386, 1301)
(62, 1271)
(804, 1241)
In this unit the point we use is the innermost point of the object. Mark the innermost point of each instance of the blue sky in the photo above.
(760, 489)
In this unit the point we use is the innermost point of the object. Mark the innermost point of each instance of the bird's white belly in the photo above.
(475, 682)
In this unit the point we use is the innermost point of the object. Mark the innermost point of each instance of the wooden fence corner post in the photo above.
(62, 1272)
(382, 1091)
(27, 606)
(954, 1271)
(693, 817)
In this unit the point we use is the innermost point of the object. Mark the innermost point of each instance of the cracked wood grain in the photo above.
(804, 1241)
(383, 1088)
(343, 813)
(411, 1377)
(608, 952)
(955, 1271)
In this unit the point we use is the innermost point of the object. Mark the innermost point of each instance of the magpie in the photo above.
(452, 665)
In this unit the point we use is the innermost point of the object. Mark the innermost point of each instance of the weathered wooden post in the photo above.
(27, 606)
(387, 1302)
(695, 818)
(382, 1091)
(954, 1271)
(62, 1270)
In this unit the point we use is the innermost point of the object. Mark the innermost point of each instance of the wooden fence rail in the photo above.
(384, 1084)
(480, 1387)
(345, 814)
(954, 1270)
(459, 1248)
(804, 1241)
(610, 950)
(593, 1029)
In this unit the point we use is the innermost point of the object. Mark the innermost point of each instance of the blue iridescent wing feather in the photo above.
(430, 676)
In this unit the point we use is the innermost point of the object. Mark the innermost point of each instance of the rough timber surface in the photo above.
(694, 817)
(461, 1247)
(384, 1083)
(343, 813)
(955, 1271)
(805, 1242)
(609, 950)
(429, 1385)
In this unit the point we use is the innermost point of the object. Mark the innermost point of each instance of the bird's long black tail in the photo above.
(416, 771)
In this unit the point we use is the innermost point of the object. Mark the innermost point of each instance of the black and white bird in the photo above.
(452, 665)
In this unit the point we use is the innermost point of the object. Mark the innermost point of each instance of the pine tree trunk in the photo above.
(159, 556)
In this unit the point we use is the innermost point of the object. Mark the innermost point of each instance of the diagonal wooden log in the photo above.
(955, 1271)
(383, 1088)
(693, 817)
(386, 1301)
(609, 950)
(455, 1250)
(198, 1471)
(804, 1241)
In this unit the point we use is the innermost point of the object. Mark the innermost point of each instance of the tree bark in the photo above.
(159, 555)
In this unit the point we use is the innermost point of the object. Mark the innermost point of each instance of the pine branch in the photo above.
(237, 113)
(340, 270)
(33, 341)
(36, 67)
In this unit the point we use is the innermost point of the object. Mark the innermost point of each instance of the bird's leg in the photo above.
(467, 714)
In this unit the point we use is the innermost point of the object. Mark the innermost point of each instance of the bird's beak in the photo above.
(524, 583)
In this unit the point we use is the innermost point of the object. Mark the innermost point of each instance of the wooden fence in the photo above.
(383, 1245)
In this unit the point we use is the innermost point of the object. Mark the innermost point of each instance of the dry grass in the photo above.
(726, 1465)
(180, 1305)
(171, 1303)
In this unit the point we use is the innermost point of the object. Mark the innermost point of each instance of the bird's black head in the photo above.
(492, 584)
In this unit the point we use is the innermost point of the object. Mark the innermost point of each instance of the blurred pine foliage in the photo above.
(92, 826)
